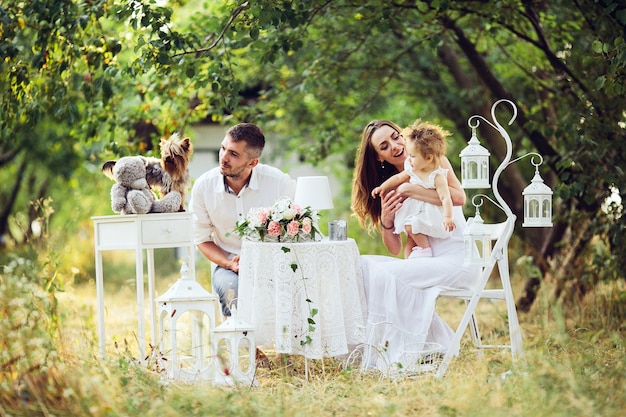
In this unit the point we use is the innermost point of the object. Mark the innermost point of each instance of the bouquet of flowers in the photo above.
(284, 221)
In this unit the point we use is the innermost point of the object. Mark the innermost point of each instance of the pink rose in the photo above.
(306, 225)
(262, 216)
(292, 228)
(297, 209)
(274, 228)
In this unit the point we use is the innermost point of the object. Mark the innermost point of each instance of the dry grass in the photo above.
(572, 367)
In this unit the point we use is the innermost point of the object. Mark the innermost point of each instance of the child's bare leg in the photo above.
(410, 243)
(420, 240)
(421, 246)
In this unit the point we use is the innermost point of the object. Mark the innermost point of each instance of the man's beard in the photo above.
(231, 174)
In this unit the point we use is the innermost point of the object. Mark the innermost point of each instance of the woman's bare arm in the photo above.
(391, 203)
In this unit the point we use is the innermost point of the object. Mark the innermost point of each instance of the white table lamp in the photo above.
(313, 192)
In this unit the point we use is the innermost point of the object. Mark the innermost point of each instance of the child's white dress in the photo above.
(423, 217)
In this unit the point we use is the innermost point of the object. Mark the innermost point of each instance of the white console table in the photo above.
(138, 232)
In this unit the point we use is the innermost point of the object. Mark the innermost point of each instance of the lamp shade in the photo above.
(313, 192)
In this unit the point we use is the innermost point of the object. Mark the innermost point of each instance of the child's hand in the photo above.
(448, 224)
(377, 191)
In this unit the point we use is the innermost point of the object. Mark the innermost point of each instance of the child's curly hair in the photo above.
(429, 138)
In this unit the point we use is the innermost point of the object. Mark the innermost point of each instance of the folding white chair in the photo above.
(537, 213)
(500, 233)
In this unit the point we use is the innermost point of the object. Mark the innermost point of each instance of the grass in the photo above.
(574, 366)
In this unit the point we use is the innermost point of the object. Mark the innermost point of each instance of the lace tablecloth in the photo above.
(280, 303)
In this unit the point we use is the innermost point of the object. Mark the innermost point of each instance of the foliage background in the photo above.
(84, 81)
(91, 80)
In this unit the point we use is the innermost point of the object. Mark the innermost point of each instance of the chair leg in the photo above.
(515, 333)
(455, 343)
(473, 324)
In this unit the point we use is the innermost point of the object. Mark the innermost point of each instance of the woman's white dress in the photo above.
(425, 218)
(401, 296)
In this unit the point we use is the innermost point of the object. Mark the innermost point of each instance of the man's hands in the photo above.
(233, 264)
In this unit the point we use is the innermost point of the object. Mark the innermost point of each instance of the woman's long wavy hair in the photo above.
(368, 174)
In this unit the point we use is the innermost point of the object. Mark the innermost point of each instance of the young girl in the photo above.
(426, 146)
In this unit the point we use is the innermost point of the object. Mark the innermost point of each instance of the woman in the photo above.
(401, 293)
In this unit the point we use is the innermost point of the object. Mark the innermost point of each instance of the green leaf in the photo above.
(596, 46)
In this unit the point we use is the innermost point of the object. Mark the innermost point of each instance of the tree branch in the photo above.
(232, 18)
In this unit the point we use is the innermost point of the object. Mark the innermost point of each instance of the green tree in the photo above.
(322, 69)
(52, 74)
(317, 71)
(71, 97)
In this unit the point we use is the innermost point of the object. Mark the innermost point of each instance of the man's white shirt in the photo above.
(216, 209)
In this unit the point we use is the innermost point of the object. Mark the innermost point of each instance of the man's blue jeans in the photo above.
(225, 283)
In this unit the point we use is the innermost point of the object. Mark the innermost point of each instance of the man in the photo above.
(224, 195)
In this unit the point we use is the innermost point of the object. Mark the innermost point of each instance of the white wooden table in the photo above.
(139, 232)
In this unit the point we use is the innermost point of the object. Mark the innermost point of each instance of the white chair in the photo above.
(500, 233)
(473, 157)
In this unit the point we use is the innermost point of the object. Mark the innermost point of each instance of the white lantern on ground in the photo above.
(537, 203)
(234, 346)
(474, 164)
(191, 312)
(477, 241)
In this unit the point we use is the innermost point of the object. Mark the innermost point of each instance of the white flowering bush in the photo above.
(27, 320)
(284, 221)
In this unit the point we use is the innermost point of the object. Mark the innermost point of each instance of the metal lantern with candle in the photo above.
(235, 350)
(191, 312)
(474, 164)
(477, 239)
(537, 201)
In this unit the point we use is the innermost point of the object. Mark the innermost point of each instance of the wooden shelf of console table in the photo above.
(139, 232)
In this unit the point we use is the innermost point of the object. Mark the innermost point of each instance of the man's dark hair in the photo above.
(251, 134)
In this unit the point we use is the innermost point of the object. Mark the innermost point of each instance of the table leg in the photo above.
(100, 302)
(141, 335)
(151, 293)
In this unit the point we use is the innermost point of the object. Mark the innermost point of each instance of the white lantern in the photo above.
(474, 164)
(537, 203)
(191, 311)
(234, 346)
(477, 241)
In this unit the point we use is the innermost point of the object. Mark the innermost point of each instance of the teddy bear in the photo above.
(168, 173)
(131, 193)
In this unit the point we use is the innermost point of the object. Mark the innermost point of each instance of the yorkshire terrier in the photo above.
(171, 172)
